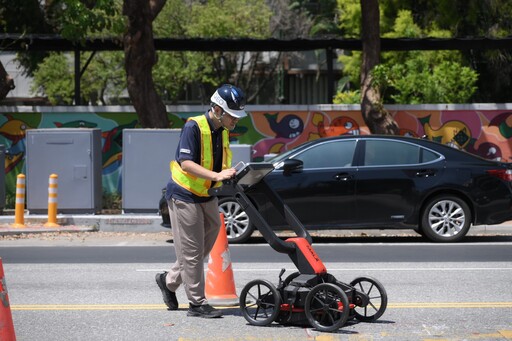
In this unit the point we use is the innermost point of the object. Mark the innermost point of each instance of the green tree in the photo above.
(104, 81)
(233, 19)
(140, 57)
(171, 72)
(321, 13)
(101, 84)
(290, 19)
(103, 75)
(212, 19)
(362, 19)
(79, 19)
(25, 17)
(454, 18)
(74, 20)
(411, 76)
(376, 117)
(54, 79)
(470, 18)
(417, 77)
(473, 18)
(20, 17)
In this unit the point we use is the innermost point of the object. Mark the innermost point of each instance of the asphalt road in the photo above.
(106, 291)
(476, 249)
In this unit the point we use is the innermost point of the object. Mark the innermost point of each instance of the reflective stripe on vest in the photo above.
(200, 186)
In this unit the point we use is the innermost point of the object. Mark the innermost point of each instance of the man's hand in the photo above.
(225, 174)
(201, 172)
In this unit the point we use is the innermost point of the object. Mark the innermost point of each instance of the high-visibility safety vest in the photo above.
(200, 186)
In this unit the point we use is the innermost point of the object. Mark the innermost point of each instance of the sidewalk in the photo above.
(84, 223)
(149, 223)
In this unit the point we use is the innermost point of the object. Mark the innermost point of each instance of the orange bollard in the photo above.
(19, 208)
(220, 283)
(52, 201)
(6, 325)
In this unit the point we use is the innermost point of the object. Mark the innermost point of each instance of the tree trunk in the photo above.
(6, 82)
(378, 119)
(140, 56)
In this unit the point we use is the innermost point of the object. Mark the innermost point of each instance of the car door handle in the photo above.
(425, 173)
(343, 176)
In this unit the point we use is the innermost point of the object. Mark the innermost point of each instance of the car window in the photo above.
(381, 152)
(428, 156)
(329, 154)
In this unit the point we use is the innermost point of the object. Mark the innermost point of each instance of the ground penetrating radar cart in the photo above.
(311, 295)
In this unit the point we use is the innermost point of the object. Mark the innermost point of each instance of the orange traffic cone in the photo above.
(220, 283)
(6, 325)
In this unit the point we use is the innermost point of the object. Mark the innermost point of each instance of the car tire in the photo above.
(445, 218)
(238, 225)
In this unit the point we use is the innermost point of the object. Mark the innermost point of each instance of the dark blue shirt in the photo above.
(189, 148)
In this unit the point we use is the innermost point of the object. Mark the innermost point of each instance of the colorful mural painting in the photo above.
(484, 132)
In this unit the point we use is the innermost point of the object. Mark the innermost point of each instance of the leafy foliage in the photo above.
(102, 83)
(415, 82)
(54, 79)
(321, 13)
(24, 17)
(350, 18)
(211, 19)
(347, 97)
(490, 71)
(77, 20)
(412, 77)
(229, 19)
(104, 79)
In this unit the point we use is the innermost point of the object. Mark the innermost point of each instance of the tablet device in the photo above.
(251, 173)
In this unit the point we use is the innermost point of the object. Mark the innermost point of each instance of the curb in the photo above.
(85, 223)
(149, 223)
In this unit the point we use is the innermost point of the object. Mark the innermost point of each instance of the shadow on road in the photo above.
(388, 239)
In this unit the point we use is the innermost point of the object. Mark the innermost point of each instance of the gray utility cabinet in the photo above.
(146, 157)
(241, 152)
(2, 178)
(74, 154)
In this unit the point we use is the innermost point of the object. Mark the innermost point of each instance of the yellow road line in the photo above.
(434, 305)
(405, 305)
(89, 306)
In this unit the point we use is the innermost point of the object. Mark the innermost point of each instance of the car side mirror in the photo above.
(292, 166)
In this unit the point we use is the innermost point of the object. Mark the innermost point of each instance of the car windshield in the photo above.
(320, 154)
(280, 157)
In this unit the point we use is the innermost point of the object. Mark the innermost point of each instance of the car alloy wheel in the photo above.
(238, 224)
(446, 218)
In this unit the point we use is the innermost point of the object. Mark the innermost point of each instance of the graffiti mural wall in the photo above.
(487, 133)
(484, 130)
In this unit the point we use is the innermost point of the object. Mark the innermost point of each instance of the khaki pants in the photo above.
(195, 228)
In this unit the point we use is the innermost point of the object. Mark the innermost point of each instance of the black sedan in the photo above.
(381, 182)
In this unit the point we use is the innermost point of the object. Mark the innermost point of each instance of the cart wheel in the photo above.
(326, 307)
(377, 295)
(260, 302)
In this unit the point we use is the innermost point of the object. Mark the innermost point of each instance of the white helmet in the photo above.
(231, 99)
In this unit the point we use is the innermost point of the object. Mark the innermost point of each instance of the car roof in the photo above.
(437, 146)
(374, 136)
